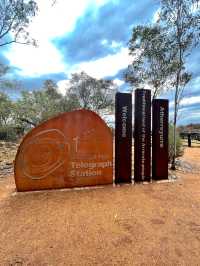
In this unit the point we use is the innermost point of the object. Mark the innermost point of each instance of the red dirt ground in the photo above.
(154, 224)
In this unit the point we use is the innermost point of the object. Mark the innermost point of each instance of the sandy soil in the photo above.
(154, 224)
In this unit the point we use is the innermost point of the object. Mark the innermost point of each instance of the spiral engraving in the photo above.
(44, 153)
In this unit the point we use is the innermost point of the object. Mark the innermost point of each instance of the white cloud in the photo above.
(194, 84)
(187, 101)
(115, 44)
(156, 16)
(104, 42)
(195, 7)
(191, 100)
(50, 22)
(34, 62)
(56, 21)
(106, 66)
(118, 82)
(100, 2)
(196, 114)
(63, 86)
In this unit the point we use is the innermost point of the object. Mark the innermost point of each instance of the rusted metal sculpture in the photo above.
(123, 138)
(142, 136)
(71, 150)
(160, 139)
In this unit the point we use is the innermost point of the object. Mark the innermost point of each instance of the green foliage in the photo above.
(69, 103)
(91, 93)
(3, 70)
(8, 133)
(152, 56)
(5, 82)
(6, 109)
(160, 52)
(34, 107)
(8, 129)
(37, 106)
(180, 20)
(179, 145)
(15, 16)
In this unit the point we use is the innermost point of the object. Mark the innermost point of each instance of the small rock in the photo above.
(8, 163)
(172, 177)
(5, 167)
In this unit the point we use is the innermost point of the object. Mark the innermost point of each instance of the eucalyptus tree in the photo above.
(152, 56)
(3, 71)
(6, 109)
(7, 83)
(180, 20)
(15, 16)
(37, 106)
(91, 93)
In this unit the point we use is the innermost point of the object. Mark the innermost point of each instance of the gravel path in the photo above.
(154, 224)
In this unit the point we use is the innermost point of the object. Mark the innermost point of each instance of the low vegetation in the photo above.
(32, 108)
(179, 145)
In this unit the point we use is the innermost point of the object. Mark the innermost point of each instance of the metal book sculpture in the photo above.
(71, 150)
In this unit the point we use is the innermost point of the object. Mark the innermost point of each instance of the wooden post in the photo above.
(123, 138)
(142, 136)
(189, 140)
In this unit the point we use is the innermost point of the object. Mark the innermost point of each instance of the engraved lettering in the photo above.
(124, 121)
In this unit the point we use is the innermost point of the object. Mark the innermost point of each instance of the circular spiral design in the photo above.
(43, 154)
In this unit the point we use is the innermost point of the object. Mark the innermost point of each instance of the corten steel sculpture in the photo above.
(142, 136)
(160, 139)
(123, 138)
(71, 150)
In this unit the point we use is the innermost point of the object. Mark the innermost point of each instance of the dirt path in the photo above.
(154, 224)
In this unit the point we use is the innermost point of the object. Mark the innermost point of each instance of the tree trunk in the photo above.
(155, 93)
(28, 122)
(177, 92)
(173, 165)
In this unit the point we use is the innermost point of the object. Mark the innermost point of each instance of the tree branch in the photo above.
(28, 122)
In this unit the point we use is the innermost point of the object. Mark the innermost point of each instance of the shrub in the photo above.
(8, 133)
(179, 145)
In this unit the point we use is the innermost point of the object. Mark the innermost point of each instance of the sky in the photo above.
(90, 36)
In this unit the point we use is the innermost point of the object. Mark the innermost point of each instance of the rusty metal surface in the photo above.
(71, 150)
(123, 138)
(142, 135)
(160, 139)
